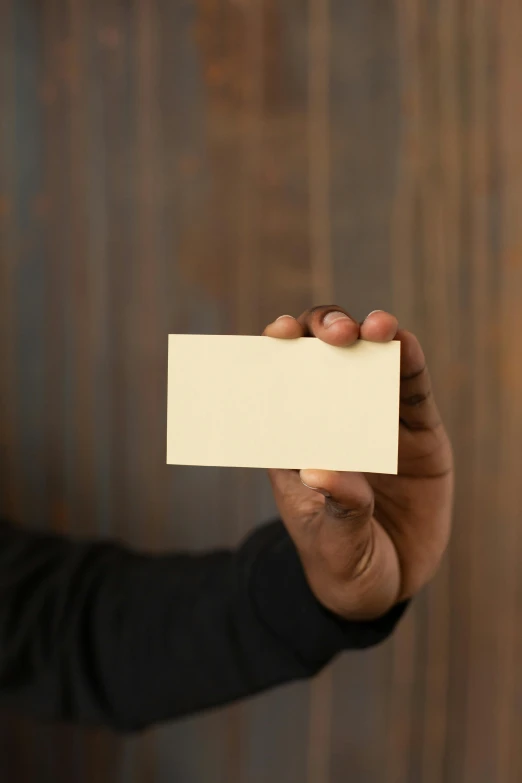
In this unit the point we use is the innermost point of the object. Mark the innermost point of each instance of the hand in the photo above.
(368, 541)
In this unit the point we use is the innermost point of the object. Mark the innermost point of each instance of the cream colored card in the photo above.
(260, 402)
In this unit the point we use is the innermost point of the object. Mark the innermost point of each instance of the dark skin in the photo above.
(368, 541)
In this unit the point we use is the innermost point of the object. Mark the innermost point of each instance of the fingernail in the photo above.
(315, 489)
(331, 318)
(374, 311)
(285, 316)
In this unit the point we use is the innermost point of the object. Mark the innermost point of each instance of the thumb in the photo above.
(344, 524)
(348, 496)
(349, 559)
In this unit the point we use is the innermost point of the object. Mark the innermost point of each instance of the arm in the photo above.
(94, 632)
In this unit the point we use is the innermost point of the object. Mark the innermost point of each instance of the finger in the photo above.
(418, 410)
(331, 324)
(379, 327)
(286, 327)
(348, 496)
(333, 509)
(330, 518)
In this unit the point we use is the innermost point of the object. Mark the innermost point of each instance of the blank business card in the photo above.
(259, 402)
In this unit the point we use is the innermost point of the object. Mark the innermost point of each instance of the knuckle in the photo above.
(321, 310)
(415, 374)
(415, 426)
(414, 400)
(359, 513)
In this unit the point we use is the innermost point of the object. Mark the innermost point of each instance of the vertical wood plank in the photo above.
(318, 120)
(404, 671)
(507, 761)
(278, 721)
(206, 166)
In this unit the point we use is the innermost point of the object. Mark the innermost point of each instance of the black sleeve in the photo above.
(94, 632)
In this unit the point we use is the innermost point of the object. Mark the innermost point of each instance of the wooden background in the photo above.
(206, 166)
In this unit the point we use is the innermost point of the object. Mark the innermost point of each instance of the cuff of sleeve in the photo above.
(286, 604)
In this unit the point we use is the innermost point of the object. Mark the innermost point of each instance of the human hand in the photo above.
(368, 541)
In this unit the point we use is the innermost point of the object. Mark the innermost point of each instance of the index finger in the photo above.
(331, 324)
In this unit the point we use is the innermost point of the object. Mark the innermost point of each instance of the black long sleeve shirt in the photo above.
(94, 632)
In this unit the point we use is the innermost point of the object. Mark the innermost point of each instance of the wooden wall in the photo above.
(206, 165)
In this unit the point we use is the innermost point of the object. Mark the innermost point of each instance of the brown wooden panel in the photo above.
(204, 167)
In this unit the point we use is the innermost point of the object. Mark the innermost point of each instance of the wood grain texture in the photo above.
(204, 166)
